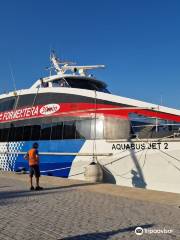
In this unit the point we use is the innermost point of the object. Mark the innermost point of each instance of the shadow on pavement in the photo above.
(72, 186)
(24, 193)
(105, 235)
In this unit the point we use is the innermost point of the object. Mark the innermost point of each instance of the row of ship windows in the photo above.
(106, 128)
(79, 129)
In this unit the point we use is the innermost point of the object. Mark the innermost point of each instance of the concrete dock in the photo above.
(77, 210)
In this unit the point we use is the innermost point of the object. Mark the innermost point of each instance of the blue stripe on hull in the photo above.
(50, 164)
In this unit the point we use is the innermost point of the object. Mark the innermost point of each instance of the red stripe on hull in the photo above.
(80, 109)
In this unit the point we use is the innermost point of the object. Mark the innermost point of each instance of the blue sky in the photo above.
(138, 41)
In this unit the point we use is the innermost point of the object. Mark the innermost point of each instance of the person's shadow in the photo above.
(106, 235)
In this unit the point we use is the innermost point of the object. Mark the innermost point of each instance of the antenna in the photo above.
(62, 66)
(12, 76)
(81, 69)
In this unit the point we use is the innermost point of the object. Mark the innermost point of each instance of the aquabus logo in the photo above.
(49, 109)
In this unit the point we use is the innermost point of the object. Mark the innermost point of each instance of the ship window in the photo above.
(26, 100)
(4, 133)
(18, 136)
(87, 84)
(11, 134)
(15, 134)
(1, 135)
(56, 132)
(56, 83)
(7, 104)
(69, 130)
(60, 83)
(116, 128)
(83, 129)
(90, 129)
(27, 133)
(35, 132)
(151, 127)
(97, 128)
(45, 131)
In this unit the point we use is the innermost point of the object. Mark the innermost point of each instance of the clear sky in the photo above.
(138, 41)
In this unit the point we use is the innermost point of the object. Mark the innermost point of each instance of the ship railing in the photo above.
(61, 153)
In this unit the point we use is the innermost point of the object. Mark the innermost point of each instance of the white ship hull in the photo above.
(151, 164)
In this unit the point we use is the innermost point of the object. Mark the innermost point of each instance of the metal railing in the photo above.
(60, 153)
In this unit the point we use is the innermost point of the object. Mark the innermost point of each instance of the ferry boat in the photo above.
(76, 121)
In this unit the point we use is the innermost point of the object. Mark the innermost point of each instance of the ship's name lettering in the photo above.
(140, 146)
(20, 113)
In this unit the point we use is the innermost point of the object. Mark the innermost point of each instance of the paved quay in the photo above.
(77, 210)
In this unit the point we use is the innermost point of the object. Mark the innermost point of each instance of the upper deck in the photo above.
(71, 81)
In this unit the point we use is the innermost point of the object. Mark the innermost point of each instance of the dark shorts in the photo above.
(34, 170)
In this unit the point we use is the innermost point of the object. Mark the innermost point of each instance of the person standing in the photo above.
(33, 158)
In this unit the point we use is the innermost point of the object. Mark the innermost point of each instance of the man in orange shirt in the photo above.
(33, 157)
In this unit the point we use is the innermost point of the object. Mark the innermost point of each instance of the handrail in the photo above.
(60, 153)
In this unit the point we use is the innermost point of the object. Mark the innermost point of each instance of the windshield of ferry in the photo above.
(82, 84)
